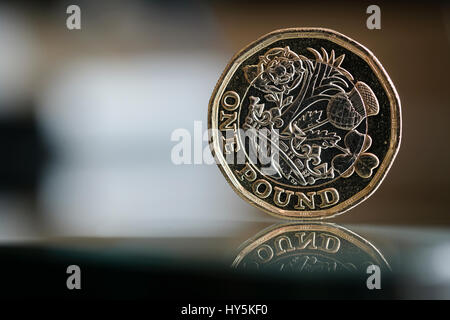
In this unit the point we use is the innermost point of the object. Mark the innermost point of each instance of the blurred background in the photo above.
(86, 116)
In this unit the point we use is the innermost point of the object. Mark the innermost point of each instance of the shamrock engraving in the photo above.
(363, 164)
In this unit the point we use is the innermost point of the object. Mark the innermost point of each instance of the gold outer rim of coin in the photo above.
(279, 229)
(347, 43)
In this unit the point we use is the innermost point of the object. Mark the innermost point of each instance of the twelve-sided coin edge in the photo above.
(345, 42)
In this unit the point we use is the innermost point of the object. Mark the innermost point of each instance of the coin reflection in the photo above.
(309, 248)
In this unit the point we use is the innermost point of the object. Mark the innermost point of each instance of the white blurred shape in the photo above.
(439, 258)
(111, 122)
(100, 105)
(141, 201)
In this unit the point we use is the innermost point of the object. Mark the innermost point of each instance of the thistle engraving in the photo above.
(315, 110)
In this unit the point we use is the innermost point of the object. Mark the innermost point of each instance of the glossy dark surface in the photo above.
(200, 267)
